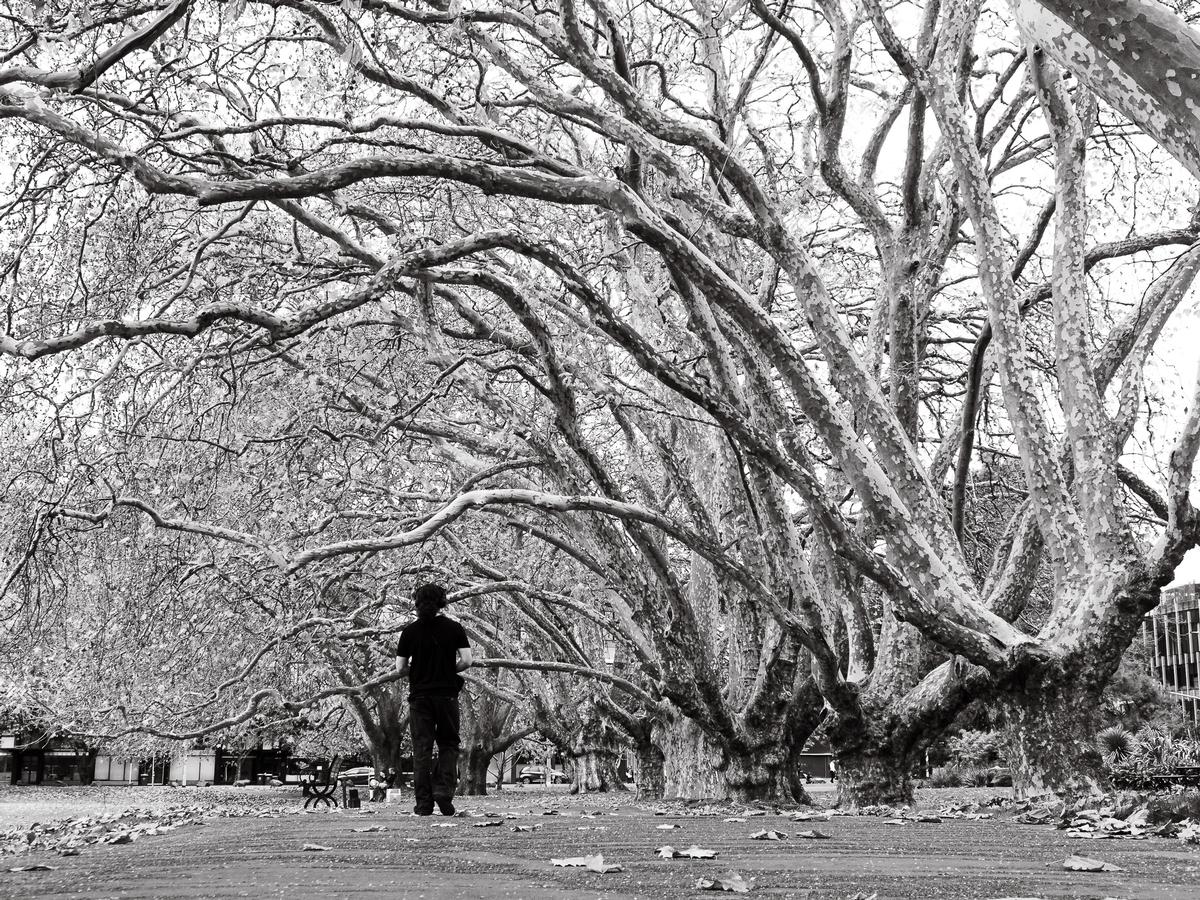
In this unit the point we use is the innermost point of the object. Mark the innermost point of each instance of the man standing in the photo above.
(431, 652)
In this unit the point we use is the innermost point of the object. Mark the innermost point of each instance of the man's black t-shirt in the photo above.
(432, 651)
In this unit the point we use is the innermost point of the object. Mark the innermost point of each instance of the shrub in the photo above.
(1115, 743)
(946, 777)
(1174, 807)
(974, 748)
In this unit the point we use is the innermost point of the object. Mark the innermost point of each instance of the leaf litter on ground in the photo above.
(768, 834)
(731, 882)
(1087, 864)
(594, 863)
(692, 852)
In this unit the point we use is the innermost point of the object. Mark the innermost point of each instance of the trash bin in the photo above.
(352, 801)
(394, 795)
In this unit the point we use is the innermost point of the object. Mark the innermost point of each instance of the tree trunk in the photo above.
(697, 768)
(1051, 722)
(651, 782)
(868, 778)
(590, 773)
(472, 780)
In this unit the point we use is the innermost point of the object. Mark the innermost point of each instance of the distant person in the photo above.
(431, 652)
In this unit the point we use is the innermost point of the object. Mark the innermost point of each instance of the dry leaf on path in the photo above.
(36, 867)
(768, 835)
(692, 852)
(813, 835)
(369, 829)
(670, 827)
(312, 848)
(735, 819)
(490, 823)
(591, 863)
(527, 828)
(1087, 864)
(733, 883)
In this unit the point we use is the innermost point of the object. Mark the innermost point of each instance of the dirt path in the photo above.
(252, 857)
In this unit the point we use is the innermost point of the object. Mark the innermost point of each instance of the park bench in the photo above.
(324, 791)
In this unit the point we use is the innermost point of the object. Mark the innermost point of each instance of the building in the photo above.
(1171, 636)
(37, 759)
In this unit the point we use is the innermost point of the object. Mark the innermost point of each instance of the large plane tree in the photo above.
(743, 284)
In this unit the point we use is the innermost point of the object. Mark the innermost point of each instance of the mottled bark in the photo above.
(696, 767)
(591, 773)
(869, 778)
(1051, 725)
(651, 780)
(473, 771)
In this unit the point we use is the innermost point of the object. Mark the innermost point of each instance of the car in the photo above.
(542, 774)
(357, 775)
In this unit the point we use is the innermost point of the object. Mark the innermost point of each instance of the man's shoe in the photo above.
(446, 806)
(422, 811)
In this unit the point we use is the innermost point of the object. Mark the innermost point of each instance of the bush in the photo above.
(959, 776)
(976, 776)
(1115, 743)
(974, 748)
(945, 777)
(1153, 752)
(1174, 807)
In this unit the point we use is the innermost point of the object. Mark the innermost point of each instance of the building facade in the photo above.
(1171, 636)
(30, 759)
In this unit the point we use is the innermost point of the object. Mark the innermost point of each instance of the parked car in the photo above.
(357, 775)
(542, 774)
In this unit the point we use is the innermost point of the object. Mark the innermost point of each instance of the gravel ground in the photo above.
(25, 805)
(413, 857)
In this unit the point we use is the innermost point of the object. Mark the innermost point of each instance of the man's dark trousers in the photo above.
(433, 720)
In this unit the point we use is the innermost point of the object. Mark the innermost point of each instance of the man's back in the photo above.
(432, 646)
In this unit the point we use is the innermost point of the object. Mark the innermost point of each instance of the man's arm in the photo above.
(464, 659)
(402, 666)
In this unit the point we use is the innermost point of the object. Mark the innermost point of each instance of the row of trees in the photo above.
(700, 337)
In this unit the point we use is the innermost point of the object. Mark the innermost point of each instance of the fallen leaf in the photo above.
(813, 835)
(1087, 864)
(670, 827)
(893, 822)
(591, 863)
(36, 867)
(490, 823)
(527, 827)
(768, 835)
(735, 819)
(733, 883)
(314, 847)
(692, 852)
(370, 829)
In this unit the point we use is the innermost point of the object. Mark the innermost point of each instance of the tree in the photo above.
(725, 353)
